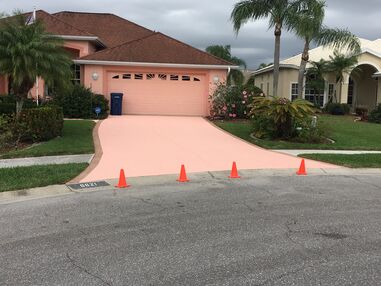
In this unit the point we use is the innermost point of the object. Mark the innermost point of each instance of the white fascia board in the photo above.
(269, 68)
(81, 38)
(163, 65)
(372, 52)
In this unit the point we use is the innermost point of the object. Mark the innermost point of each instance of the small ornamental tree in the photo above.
(27, 51)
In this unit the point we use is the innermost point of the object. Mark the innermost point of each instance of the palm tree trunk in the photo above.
(19, 105)
(302, 69)
(277, 33)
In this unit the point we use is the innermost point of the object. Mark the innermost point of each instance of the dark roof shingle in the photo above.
(156, 48)
(111, 29)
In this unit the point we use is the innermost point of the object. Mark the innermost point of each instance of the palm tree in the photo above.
(340, 64)
(307, 23)
(264, 65)
(224, 52)
(315, 77)
(279, 13)
(27, 51)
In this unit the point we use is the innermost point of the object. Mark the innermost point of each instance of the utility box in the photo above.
(116, 103)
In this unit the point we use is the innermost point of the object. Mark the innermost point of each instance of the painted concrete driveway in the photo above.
(158, 145)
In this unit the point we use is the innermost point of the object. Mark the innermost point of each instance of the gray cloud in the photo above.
(206, 22)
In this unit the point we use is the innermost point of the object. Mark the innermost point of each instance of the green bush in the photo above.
(375, 115)
(40, 124)
(80, 102)
(337, 108)
(279, 117)
(308, 132)
(232, 102)
(8, 104)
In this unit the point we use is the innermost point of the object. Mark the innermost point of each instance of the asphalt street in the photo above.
(276, 230)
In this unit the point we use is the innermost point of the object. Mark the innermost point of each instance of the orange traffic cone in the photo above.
(302, 169)
(183, 175)
(234, 172)
(122, 181)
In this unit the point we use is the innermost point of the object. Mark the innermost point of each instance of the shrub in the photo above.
(375, 115)
(80, 102)
(8, 104)
(278, 117)
(38, 124)
(231, 102)
(308, 132)
(337, 108)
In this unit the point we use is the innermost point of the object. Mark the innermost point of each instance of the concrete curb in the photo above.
(45, 160)
(195, 178)
(96, 158)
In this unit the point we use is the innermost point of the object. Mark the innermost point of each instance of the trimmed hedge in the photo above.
(80, 102)
(41, 124)
(375, 115)
(8, 104)
(337, 108)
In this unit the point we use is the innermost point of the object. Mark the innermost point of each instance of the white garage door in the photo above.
(160, 93)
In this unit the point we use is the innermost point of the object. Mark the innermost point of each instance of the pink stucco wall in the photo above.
(101, 85)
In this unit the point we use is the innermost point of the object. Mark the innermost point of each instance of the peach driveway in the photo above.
(158, 145)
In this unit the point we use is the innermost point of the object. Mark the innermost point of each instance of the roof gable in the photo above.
(157, 48)
(111, 29)
(56, 26)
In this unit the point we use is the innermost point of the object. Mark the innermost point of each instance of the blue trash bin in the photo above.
(116, 103)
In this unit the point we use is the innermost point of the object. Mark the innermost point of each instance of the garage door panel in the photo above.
(161, 97)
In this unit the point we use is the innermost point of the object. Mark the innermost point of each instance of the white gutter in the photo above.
(376, 75)
(164, 65)
(269, 68)
(81, 38)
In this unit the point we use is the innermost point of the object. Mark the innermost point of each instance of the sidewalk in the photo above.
(47, 160)
(347, 152)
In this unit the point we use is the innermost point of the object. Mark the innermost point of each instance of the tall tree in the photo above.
(307, 23)
(224, 52)
(279, 13)
(315, 77)
(340, 64)
(27, 51)
(264, 65)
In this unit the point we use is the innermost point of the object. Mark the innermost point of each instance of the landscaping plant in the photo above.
(27, 51)
(336, 108)
(279, 115)
(80, 102)
(375, 115)
(232, 102)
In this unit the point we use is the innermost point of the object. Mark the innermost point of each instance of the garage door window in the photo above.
(127, 76)
(139, 76)
(150, 76)
(196, 79)
(163, 76)
(115, 77)
(174, 77)
(186, 78)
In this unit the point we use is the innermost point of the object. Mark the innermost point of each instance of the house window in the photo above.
(294, 91)
(174, 77)
(351, 89)
(262, 87)
(76, 73)
(138, 76)
(163, 76)
(331, 91)
(186, 78)
(127, 76)
(196, 79)
(314, 96)
(268, 89)
(150, 76)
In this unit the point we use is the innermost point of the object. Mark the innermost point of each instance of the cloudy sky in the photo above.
(206, 22)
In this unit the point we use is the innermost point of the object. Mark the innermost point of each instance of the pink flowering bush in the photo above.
(232, 102)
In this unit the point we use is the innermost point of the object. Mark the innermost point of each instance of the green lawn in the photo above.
(38, 176)
(348, 135)
(76, 139)
(351, 161)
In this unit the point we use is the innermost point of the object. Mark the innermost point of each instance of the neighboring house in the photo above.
(157, 74)
(361, 87)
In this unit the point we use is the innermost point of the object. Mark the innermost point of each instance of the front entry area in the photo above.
(159, 93)
(363, 88)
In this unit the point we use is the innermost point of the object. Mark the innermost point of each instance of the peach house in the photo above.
(156, 74)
